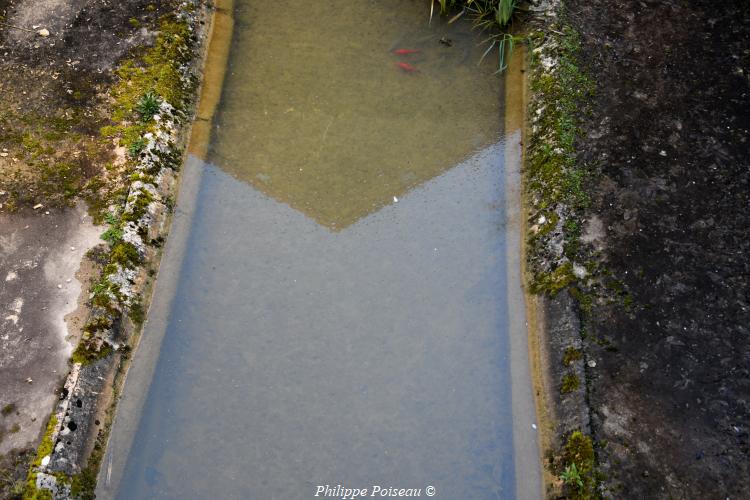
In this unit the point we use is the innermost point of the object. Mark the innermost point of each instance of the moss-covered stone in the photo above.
(554, 281)
(555, 182)
(579, 451)
(31, 492)
(88, 351)
(156, 72)
(125, 254)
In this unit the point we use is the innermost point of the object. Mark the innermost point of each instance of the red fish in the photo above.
(407, 67)
(402, 52)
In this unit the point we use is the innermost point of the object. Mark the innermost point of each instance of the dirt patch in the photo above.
(668, 131)
(54, 95)
(86, 36)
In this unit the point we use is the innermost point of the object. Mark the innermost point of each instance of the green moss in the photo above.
(571, 356)
(109, 131)
(125, 254)
(141, 200)
(553, 281)
(87, 352)
(36, 494)
(551, 219)
(627, 302)
(83, 484)
(570, 383)
(45, 448)
(110, 269)
(157, 71)
(98, 324)
(616, 286)
(31, 144)
(89, 348)
(579, 451)
(8, 409)
(553, 176)
(62, 161)
(137, 313)
(139, 205)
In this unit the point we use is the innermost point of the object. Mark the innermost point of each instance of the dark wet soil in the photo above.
(670, 392)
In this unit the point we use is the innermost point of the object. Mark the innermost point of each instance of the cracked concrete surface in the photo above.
(40, 255)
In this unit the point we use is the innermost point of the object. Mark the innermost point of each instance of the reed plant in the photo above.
(491, 16)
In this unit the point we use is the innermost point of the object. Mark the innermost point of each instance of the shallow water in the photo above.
(318, 114)
(317, 330)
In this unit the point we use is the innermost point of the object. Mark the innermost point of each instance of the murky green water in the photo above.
(317, 331)
(325, 120)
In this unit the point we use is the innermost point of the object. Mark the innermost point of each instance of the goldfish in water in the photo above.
(407, 67)
(402, 52)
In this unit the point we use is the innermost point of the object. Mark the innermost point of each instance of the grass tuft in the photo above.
(492, 16)
(136, 146)
(148, 106)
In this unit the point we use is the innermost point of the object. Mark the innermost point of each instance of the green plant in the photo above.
(505, 43)
(148, 105)
(504, 11)
(136, 146)
(487, 15)
(111, 219)
(101, 288)
(13, 485)
(112, 235)
(8, 409)
(579, 460)
(571, 476)
(137, 313)
(445, 5)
